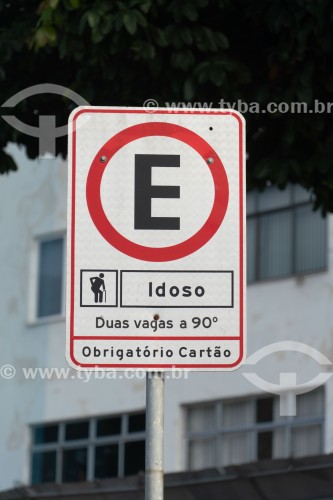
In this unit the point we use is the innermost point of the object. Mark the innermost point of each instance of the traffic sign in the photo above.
(156, 248)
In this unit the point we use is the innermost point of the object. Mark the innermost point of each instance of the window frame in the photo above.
(90, 443)
(33, 318)
(288, 423)
(291, 207)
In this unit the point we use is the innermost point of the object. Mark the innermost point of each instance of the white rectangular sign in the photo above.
(156, 224)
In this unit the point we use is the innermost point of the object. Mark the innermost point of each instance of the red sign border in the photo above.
(157, 254)
(200, 366)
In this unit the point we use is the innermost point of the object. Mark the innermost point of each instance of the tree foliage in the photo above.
(123, 52)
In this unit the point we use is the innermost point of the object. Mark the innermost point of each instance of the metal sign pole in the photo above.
(154, 480)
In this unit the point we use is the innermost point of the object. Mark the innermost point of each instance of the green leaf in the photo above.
(221, 40)
(6, 162)
(217, 76)
(53, 4)
(82, 23)
(93, 18)
(145, 6)
(186, 36)
(107, 24)
(143, 50)
(161, 38)
(45, 36)
(202, 72)
(263, 169)
(97, 36)
(189, 12)
(130, 22)
(46, 17)
(142, 21)
(150, 51)
(182, 60)
(75, 4)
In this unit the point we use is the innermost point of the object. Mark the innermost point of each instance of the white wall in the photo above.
(33, 203)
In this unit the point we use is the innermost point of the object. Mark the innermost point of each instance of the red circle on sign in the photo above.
(157, 254)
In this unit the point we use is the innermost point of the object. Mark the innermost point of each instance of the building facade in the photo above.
(61, 426)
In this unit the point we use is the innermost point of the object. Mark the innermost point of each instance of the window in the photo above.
(246, 430)
(83, 450)
(284, 235)
(50, 277)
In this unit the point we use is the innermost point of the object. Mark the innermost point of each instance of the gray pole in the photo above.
(154, 481)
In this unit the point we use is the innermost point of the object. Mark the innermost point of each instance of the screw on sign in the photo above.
(156, 204)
